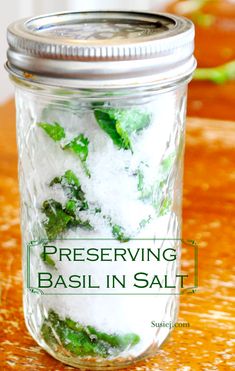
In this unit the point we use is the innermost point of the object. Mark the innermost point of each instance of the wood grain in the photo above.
(209, 218)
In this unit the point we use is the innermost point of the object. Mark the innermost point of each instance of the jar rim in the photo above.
(160, 51)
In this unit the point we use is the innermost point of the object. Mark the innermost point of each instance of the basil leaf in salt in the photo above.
(60, 219)
(72, 187)
(155, 193)
(119, 233)
(79, 146)
(120, 124)
(54, 131)
(165, 206)
(57, 219)
(81, 340)
(47, 259)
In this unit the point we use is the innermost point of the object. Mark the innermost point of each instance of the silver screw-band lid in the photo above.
(115, 48)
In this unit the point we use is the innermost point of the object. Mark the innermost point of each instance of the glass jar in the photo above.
(100, 100)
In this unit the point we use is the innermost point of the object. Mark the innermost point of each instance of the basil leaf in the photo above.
(47, 259)
(60, 219)
(79, 146)
(57, 219)
(71, 185)
(120, 124)
(54, 131)
(81, 340)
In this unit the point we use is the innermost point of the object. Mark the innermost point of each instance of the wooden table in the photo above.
(209, 218)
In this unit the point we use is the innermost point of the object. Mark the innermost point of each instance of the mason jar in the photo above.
(100, 102)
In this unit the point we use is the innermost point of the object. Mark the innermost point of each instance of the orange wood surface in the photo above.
(208, 218)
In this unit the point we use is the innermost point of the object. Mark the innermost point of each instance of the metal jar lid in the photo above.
(102, 49)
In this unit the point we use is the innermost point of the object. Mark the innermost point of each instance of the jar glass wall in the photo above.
(101, 101)
(95, 165)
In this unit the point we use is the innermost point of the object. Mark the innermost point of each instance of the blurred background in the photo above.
(211, 94)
